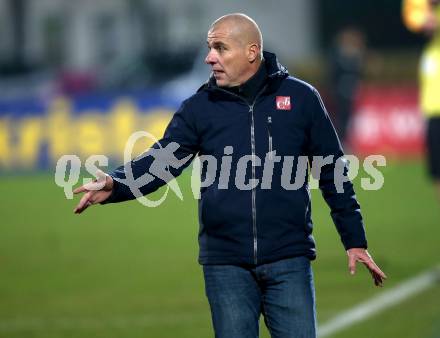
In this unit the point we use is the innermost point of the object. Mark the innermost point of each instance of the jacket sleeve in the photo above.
(181, 130)
(323, 141)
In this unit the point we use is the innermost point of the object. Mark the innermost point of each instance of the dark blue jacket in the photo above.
(258, 225)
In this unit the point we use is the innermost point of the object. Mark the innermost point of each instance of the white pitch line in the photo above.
(381, 302)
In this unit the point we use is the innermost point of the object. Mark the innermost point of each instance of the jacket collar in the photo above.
(275, 71)
(250, 89)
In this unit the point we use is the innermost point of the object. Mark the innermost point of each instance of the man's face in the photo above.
(227, 57)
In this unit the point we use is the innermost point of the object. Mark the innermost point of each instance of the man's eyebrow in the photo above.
(217, 44)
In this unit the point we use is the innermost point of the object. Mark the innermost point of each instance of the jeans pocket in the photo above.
(300, 263)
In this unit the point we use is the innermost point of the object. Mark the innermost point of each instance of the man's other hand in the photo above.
(96, 191)
(362, 255)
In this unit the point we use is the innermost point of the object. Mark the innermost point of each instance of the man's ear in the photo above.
(253, 52)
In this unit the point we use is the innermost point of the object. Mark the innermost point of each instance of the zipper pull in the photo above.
(269, 131)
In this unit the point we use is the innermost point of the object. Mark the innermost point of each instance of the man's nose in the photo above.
(210, 58)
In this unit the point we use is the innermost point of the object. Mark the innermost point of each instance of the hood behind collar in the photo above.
(275, 72)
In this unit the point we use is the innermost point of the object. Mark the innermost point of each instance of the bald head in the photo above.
(241, 28)
(235, 49)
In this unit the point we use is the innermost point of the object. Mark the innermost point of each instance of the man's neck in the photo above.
(250, 88)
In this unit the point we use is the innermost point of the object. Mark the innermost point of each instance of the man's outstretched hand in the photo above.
(95, 192)
(362, 255)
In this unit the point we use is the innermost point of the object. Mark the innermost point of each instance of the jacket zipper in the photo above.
(254, 192)
(269, 132)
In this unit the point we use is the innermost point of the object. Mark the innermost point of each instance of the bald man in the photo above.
(237, 49)
(256, 243)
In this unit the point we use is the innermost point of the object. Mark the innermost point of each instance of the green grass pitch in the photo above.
(129, 271)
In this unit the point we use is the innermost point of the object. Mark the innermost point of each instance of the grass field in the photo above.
(130, 271)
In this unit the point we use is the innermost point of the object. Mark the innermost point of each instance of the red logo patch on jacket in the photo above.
(283, 102)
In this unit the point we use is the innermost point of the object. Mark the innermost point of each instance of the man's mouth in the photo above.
(217, 72)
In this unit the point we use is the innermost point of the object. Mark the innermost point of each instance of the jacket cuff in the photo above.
(116, 188)
(350, 244)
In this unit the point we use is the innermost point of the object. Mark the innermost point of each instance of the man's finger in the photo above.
(80, 189)
(352, 264)
(83, 203)
(374, 268)
(81, 210)
(378, 280)
(377, 274)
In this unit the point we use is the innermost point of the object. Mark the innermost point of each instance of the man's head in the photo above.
(235, 49)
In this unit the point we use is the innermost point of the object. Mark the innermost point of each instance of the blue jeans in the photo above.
(282, 291)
